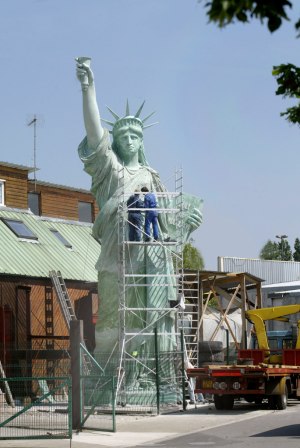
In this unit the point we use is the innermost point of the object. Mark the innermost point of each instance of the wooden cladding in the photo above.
(53, 200)
(57, 202)
(15, 187)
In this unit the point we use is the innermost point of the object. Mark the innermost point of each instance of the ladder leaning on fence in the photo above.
(68, 310)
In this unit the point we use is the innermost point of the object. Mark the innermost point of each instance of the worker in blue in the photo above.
(135, 216)
(150, 202)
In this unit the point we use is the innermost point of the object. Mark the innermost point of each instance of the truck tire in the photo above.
(218, 400)
(224, 402)
(210, 346)
(210, 352)
(228, 402)
(278, 401)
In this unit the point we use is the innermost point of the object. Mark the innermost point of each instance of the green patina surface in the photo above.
(119, 168)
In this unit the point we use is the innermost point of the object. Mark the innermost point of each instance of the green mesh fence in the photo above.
(33, 403)
(127, 384)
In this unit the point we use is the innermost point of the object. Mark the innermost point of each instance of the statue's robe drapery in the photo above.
(111, 182)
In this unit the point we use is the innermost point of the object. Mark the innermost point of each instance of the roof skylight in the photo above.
(61, 238)
(19, 229)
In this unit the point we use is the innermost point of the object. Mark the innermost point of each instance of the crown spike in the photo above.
(113, 113)
(145, 119)
(149, 125)
(108, 122)
(138, 113)
(128, 119)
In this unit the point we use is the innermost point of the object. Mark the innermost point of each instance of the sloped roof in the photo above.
(30, 258)
(63, 187)
(29, 169)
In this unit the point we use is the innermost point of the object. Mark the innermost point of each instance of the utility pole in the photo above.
(34, 122)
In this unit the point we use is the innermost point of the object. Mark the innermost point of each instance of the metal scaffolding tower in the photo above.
(143, 311)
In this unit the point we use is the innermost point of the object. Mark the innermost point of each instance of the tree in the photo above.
(276, 251)
(285, 250)
(270, 251)
(192, 258)
(296, 254)
(225, 12)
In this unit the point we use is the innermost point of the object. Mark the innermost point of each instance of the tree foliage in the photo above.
(192, 258)
(296, 254)
(288, 80)
(270, 251)
(225, 12)
(285, 250)
(277, 251)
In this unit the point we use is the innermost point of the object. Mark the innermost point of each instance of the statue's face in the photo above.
(129, 143)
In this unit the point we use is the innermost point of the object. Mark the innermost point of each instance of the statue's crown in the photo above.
(128, 120)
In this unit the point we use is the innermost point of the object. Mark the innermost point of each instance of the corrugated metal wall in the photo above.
(270, 271)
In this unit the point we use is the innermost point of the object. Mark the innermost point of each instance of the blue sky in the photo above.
(212, 89)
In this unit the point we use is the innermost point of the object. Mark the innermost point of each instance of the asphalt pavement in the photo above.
(150, 430)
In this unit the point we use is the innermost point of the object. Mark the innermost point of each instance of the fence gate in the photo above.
(97, 394)
(41, 409)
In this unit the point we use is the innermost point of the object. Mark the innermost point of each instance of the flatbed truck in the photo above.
(253, 380)
(259, 373)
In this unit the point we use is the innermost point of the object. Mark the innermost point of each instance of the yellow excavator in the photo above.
(258, 318)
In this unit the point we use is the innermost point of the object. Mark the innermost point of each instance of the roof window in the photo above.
(19, 228)
(61, 238)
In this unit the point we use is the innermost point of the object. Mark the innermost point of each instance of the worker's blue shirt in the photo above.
(135, 202)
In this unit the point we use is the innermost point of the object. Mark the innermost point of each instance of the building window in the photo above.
(2, 183)
(85, 210)
(61, 238)
(34, 203)
(20, 229)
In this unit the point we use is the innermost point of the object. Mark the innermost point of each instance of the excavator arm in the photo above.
(260, 315)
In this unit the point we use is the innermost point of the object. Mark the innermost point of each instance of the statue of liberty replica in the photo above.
(119, 168)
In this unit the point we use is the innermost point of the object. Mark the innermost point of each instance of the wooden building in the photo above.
(43, 227)
(43, 198)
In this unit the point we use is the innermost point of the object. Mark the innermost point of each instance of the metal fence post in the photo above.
(113, 403)
(76, 336)
(157, 371)
(70, 408)
(182, 370)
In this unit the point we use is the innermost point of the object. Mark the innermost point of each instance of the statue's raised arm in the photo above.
(91, 115)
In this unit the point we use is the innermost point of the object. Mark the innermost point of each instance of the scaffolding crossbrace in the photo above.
(129, 280)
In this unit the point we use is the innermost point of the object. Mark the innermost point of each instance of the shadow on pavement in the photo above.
(283, 431)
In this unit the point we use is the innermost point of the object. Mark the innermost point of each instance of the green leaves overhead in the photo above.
(288, 80)
(224, 12)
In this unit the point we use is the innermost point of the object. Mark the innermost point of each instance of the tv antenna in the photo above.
(33, 122)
